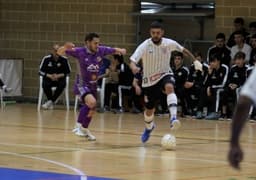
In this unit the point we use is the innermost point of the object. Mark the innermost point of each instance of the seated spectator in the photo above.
(181, 75)
(194, 84)
(54, 69)
(125, 81)
(102, 71)
(214, 84)
(220, 48)
(111, 87)
(253, 52)
(238, 26)
(252, 30)
(240, 46)
(236, 79)
(3, 86)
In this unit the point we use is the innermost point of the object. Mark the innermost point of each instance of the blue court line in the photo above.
(20, 174)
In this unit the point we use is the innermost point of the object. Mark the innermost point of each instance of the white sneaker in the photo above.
(89, 135)
(79, 132)
(175, 124)
(48, 105)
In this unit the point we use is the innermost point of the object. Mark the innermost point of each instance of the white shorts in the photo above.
(249, 88)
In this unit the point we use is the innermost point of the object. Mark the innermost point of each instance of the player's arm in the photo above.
(239, 118)
(136, 57)
(120, 51)
(198, 64)
(135, 69)
(67, 46)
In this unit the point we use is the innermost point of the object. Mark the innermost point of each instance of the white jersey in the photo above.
(155, 59)
(249, 88)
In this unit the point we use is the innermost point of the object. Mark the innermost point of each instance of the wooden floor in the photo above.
(44, 141)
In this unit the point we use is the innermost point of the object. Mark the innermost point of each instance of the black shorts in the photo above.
(153, 93)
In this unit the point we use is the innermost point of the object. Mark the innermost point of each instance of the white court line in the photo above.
(122, 153)
(77, 171)
(115, 152)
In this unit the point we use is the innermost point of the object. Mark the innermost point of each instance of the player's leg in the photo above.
(149, 98)
(86, 112)
(172, 102)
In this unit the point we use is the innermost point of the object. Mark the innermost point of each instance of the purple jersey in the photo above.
(90, 63)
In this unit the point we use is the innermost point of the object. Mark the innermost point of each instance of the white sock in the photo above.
(172, 105)
(149, 121)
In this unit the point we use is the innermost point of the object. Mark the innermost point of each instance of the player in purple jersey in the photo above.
(90, 59)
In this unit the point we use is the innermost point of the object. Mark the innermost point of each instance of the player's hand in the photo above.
(121, 51)
(69, 45)
(235, 156)
(135, 70)
(198, 65)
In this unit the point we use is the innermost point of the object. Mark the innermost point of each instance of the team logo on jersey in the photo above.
(86, 59)
(150, 48)
(93, 68)
(235, 75)
(58, 64)
(99, 59)
(180, 74)
(50, 64)
(145, 80)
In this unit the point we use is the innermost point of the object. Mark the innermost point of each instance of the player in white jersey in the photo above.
(155, 54)
(246, 99)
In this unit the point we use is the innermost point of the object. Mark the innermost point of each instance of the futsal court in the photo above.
(37, 145)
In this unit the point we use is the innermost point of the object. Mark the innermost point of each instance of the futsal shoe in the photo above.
(89, 135)
(146, 134)
(175, 124)
(79, 132)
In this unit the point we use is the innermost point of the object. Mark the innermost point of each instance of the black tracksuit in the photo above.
(51, 66)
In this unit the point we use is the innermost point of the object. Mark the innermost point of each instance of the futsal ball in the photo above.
(168, 142)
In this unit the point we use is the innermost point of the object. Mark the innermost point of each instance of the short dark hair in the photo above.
(198, 53)
(253, 36)
(119, 58)
(239, 33)
(239, 20)
(240, 55)
(214, 57)
(221, 36)
(177, 53)
(90, 36)
(252, 24)
(156, 24)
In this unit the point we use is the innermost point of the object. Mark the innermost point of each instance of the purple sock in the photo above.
(83, 116)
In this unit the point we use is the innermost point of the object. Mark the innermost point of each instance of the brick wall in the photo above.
(29, 28)
(227, 10)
